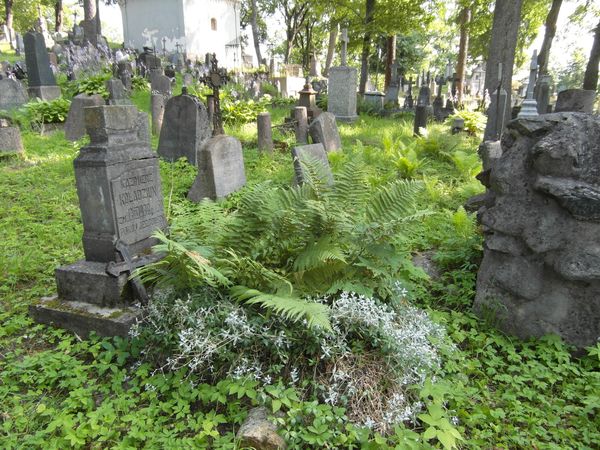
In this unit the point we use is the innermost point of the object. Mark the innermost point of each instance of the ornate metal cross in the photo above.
(214, 78)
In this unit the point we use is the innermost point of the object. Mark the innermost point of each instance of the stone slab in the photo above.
(324, 130)
(10, 140)
(220, 169)
(576, 100)
(39, 72)
(46, 93)
(83, 318)
(12, 94)
(88, 282)
(75, 124)
(341, 98)
(315, 152)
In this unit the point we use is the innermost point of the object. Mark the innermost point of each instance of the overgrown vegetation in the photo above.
(472, 387)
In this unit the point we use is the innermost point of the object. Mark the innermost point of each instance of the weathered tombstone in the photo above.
(116, 92)
(12, 94)
(578, 100)
(529, 105)
(188, 79)
(310, 153)
(185, 128)
(301, 124)
(75, 123)
(324, 130)
(220, 169)
(341, 98)
(124, 73)
(120, 197)
(157, 107)
(542, 94)
(42, 83)
(265, 134)
(392, 91)
(540, 271)
(423, 110)
(374, 99)
(161, 84)
(10, 138)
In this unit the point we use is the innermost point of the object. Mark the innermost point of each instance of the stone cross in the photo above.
(529, 105)
(164, 41)
(215, 78)
(345, 41)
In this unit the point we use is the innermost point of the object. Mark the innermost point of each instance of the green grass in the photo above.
(57, 392)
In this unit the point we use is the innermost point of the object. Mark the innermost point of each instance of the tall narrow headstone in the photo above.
(121, 203)
(185, 128)
(341, 98)
(265, 135)
(42, 83)
(301, 124)
(529, 105)
(157, 109)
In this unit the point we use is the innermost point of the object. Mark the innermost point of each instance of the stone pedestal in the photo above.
(374, 100)
(42, 83)
(46, 93)
(301, 124)
(75, 124)
(120, 198)
(10, 140)
(341, 93)
(265, 134)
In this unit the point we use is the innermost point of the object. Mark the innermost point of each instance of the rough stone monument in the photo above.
(341, 98)
(185, 128)
(161, 84)
(220, 169)
(75, 123)
(324, 130)
(42, 83)
(577, 100)
(120, 197)
(310, 153)
(10, 138)
(12, 94)
(541, 221)
(117, 95)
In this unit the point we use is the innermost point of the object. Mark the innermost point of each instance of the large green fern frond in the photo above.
(316, 174)
(394, 201)
(319, 253)
(291, 308)
(351, 189)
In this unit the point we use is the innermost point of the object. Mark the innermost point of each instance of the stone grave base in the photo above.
(88, 282)
(83, 318)
(10, 140)
(44, 92)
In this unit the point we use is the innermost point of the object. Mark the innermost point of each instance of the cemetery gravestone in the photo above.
(42, 83)
(301, 124)
(324, 130)
(310, 153)
(220, 169)
(12, 94)
(161, 84)
(375, 100)
(578, 100)
(342, 83)
(116, 92)
(75, 124)
(185, 128)
(265, 134)
(120, 198)
(10, 138)
(157, 106)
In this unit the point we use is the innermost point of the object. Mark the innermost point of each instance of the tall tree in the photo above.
(590, 79)
(58, 15)
(390, 57)
(502, 48)
(549, 33)
(463, 48)
(255, 30)
(364, 59)
(333, 33)
(8, 11)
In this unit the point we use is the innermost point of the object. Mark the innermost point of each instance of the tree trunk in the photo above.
(590, 80)
(389, 59)
(463, 49)
(58, 16)
(330, 49)
(255, 33)
(364, 59)
(98, 25)
(503, 43)
(8, 9)
(549, 33)
(90, 14)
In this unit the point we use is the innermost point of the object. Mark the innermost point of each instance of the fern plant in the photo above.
(284, 245)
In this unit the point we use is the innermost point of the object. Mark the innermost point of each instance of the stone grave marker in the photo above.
(75, 123)
(157, 109)
(341, 99)
(42, 83)
(324, 130)
(578, 100)
(121, 203)
(161, 84)
(264, 132)
(312, 152)
(12, 94)
(185, 128)
(10, 138)
(301, 124)
(116, 92)
(220, 169)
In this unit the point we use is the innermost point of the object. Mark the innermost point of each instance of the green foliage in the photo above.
(139, 83)
(90, 85)
(236, 112)
(54, 111)
(474, 121)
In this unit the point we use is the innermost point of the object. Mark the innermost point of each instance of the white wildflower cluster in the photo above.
(250, 369)
(400, 409)
(340, 383)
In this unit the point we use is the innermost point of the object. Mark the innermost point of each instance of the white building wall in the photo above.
(147, 22)
(202, 39)
(187, 22)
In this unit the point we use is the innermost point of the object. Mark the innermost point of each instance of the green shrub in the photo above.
(90, 85)
(139, 84)
(54, 111)
(474, 121)
(269, 88)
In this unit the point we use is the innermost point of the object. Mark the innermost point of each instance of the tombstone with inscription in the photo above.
(185, 128)
(220, 169)
(12, 94)
(324, 130)
(342, 88)
(120, 197)
(42, 83)
(310, 154)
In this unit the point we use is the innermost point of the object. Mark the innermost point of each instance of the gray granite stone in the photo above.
(117, 95)
(75, 123)
(161, 84)
(157, 109)
(310, 153)
(577, 100)
(39, 72)
(265, 133)
(341, 97)
(324, 130)
(10, 140)
(185, 128)
(12, 94)
(220, 169)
